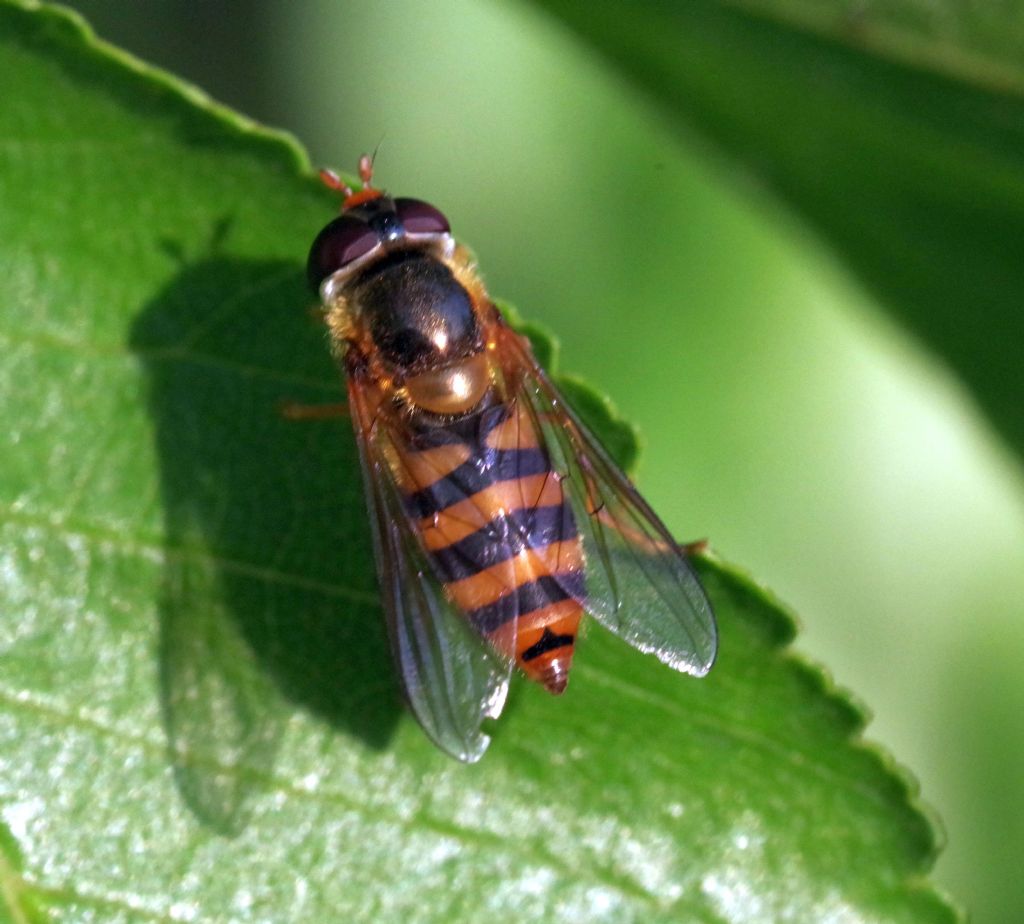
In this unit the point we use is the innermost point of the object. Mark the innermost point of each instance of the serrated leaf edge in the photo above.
(276, 139)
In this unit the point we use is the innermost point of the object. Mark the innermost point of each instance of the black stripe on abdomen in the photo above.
(506, 535)
(526, 598)
(474, 475)
(548, 641)
(471, 430)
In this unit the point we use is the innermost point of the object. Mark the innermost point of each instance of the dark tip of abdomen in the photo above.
(555, 674)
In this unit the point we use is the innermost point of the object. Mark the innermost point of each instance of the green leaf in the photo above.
(895, 132)
(198, 717)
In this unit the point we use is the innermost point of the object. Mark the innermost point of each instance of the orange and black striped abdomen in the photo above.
(500, 535)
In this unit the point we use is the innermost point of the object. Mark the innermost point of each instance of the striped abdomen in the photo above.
(500, 534)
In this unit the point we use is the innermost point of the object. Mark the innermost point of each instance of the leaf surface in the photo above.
(198, 716)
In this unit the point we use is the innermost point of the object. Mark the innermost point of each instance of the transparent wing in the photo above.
(639, 583)
(452, 678)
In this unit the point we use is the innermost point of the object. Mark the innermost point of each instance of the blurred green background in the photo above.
(786, 417)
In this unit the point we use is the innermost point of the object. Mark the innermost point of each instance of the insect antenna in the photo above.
(367, 191)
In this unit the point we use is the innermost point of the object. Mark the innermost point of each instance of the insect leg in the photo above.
(293, 410)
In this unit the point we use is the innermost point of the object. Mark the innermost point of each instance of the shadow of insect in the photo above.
(269, 601)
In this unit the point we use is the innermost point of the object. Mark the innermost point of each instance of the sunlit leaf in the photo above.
(198, 717)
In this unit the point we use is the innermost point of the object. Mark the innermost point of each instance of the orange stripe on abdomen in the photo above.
(467, 516)
(527, 565)
(420, 469)
(515, 432)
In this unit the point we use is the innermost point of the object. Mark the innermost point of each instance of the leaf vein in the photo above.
(12, 886)
(153, 550)
(42, 341)
(40, 708)
(799, 759)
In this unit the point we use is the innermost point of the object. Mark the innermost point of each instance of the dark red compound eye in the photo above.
(345, 239)
(419, 217)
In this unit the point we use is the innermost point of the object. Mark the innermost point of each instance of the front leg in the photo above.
(293, 410)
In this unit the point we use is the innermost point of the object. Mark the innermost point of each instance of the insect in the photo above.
(498, 519)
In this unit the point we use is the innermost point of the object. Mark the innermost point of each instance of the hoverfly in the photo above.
(498, 519)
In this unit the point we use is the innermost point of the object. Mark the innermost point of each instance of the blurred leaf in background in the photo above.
(909, 166)
(695, 231)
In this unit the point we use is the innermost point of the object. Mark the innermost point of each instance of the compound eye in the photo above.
(420, 217)
(345, 239)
